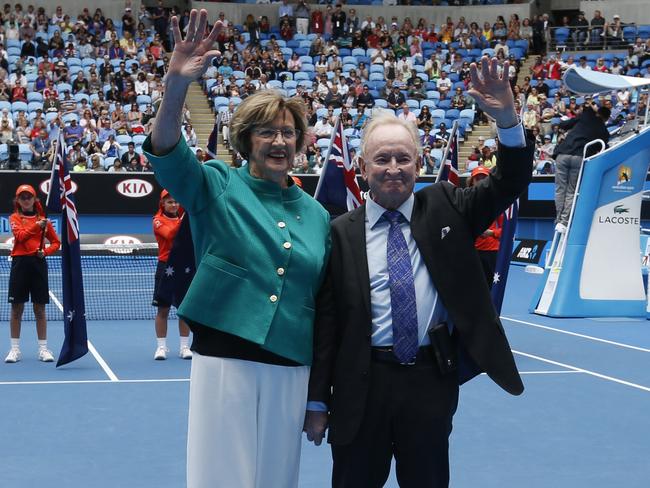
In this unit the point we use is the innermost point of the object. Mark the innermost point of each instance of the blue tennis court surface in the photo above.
(583, 421)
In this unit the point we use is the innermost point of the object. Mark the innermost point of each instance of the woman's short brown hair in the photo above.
(261, 109)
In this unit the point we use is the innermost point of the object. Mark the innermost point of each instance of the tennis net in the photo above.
(118, 282)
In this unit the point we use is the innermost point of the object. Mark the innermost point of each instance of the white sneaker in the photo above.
(14, 356)
(161, 354)
(185, 353)
(45, 355)
(560, 228)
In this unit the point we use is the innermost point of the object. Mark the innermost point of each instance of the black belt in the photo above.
(385, 355)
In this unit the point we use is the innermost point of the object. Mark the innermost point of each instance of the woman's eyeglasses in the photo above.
(269, 134)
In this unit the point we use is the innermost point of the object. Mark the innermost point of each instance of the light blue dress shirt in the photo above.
(426, 296)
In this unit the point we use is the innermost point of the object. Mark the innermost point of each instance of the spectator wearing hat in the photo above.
(128, 22)
(443, 134)
(547, 149)
(323, 127)
(429, 163)
(417, 90)
(614, 32)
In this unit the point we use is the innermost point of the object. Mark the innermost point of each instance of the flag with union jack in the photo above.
(60, 199)
(337, 186)
(211, 148)
(504, 254)
(449, 168)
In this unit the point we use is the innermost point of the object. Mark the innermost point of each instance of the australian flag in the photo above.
(180, 265)
(449, 168)
(211, 148)
(60, 199)
(337, 186)
(504, 255)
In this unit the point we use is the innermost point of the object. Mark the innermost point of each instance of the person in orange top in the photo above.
(166, 223)
(487, 244)
(28, 274)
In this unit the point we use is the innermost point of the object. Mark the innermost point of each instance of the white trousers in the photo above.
(245, 423)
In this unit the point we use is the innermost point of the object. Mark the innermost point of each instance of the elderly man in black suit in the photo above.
(394, 334)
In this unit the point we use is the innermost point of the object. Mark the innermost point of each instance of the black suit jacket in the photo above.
(582, 130)
(342, 347)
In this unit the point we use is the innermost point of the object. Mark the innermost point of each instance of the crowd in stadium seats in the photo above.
(98, 80)
(343, 65)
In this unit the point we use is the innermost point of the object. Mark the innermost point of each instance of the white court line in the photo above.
(186, 380)
(563, 371)
(83, 382)
(109, 372)
(583, 336)
(586, 371)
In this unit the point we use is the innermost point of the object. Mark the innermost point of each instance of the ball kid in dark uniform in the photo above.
(28, 277)
(166, 223)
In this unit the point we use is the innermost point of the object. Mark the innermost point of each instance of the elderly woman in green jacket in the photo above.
(261, 246)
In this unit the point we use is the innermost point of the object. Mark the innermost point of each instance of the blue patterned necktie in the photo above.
(402, 291)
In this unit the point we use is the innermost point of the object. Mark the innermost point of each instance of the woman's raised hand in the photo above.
(192, 56)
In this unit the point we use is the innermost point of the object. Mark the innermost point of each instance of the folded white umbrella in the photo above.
(587, 82)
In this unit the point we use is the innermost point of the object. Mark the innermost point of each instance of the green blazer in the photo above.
(261, 252)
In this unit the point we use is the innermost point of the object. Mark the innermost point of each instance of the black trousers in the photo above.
(408, 415)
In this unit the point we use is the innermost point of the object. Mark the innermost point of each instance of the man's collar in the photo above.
(374, 211)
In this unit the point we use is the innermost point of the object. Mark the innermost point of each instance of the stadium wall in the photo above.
(111, 8)
(237, 12)
(630, 10)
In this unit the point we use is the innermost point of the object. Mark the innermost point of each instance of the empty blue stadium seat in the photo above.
(452, 114)
(19, 106)
(33, 96)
